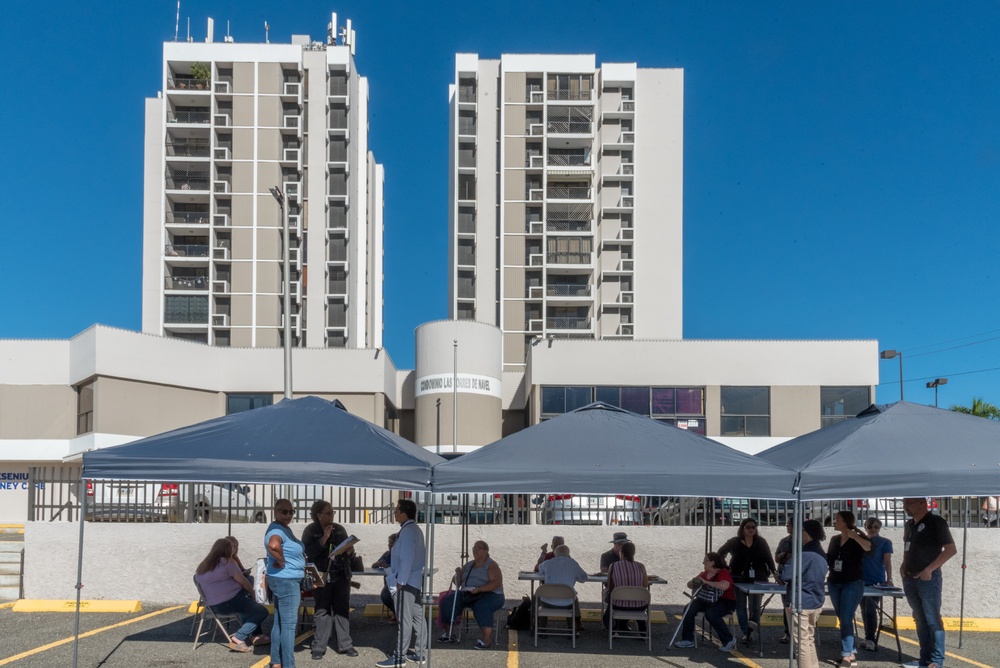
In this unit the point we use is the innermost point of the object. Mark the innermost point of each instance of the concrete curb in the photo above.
(43, 605)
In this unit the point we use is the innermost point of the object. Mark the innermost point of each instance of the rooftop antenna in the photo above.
(267, 38)
(229, 38)
(189, 30)
(177, 21)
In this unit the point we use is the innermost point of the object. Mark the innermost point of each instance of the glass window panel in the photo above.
(578, 397)
(843, 401)
(758, 426)
(732, 425)
(636, 399)
(608, 395)
(553, 400)
(237, 403)
(745, 401)
(690, 401)
(663, 401)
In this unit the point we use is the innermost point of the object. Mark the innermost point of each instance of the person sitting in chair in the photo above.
(626, 572)
(563, 569)
(713, 595)
(227, 591)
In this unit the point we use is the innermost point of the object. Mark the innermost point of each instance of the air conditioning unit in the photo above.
(536, 129)
(536, 227)
(293, 191)
(292, 87)
(291, 155)
(222, 153)
(535, 325)
(627, 265)
(220, 219)
(627, 168)
(222, 87)
(626, 330)
(221, 120)
(628, 137)
(292, 121)
(628, 202)
(535, 292)
(221, 187)
(626, 234)
(294, 224)
(537, 161)
(536, 260)
(626, 297)
(220, 320)
(220, 287)
(536, 194)
(220, 253)
(628, 105)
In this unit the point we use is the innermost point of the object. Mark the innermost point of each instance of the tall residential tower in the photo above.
(233, 121)
(566, 199)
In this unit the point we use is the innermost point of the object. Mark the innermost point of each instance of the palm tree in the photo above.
(979, 408)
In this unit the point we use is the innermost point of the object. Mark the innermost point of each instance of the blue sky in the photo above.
(842, 160)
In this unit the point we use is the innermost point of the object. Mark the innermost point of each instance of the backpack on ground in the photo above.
(519, 618)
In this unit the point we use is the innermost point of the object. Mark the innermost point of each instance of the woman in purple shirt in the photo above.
(227, 591)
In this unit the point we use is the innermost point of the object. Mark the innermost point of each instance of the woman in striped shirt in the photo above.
(626, 572)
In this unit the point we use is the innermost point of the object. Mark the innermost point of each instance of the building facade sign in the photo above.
(468, 383)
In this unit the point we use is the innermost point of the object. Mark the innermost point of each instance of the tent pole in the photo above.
(795, 630)
(428, 589)
(965, 543)
(79, 571)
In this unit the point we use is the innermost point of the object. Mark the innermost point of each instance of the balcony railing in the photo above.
(189, 117)
(187, 217)
(187, 183)
(568, 258)
(466, 128)
(186, 250)
(467, 259)
(569, 160)
(569, 94)
(188, 149)
(568, 226)
(567, 290)
(466, 93)
(187, 83)
(568, 322)
(570, 127)
(568, 192)
(185, 282)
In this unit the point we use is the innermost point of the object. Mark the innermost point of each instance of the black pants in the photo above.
(333, 608)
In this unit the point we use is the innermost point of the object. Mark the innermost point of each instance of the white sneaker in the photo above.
(684, 644)
(912, 664)
(728, 647)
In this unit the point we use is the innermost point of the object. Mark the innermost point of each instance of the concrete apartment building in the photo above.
(565, 273)
(231, 122)
(578, 233)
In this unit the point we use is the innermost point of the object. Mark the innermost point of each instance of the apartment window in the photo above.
(466, 312)
(466, 285)
(338, 83)
(466, 122)
(85, 408)
(466, 90)
(746, 411)
(238, 403)
(466, 252)
(338, 249)
(842, 403)
(338, 150)
(683, 407)
(336, 314)
(466, 186)
(338, 118)
(338, 282)
(569, 86)
(184, 309)
(466, 220)
(338, 217)
(559, 400)
(338, 184)
(575, 120)
(568, 250)
(466, 156)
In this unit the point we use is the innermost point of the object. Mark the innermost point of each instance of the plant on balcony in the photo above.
(202, 74)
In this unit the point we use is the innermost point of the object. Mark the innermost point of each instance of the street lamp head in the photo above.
(937, 381)
(888, 354)
(278, 195)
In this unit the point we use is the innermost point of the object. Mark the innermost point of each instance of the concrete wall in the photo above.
(154, 563)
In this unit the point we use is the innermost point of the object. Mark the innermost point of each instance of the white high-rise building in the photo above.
(232, 121)
(566, 185)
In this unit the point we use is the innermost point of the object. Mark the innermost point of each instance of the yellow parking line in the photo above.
(266, 661)
(954, 656)
(512, 639)
(65, 641)
(7, 605)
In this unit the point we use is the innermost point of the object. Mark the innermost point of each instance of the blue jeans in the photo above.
(483, 608)
(250, 612)
(846, 597)
(870, 616)
(715, 613)
(286, 595)
(742, 602)
(924, 597)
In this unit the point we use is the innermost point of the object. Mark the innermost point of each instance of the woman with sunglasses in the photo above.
(749, 560)
(285, 569)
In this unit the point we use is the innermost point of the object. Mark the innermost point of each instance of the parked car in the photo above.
(121, 501)
(209, 502)
(621, 509)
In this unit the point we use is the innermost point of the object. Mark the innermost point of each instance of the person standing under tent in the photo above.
(877, 568)
(405, 580)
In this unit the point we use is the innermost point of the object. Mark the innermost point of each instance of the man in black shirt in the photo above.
(927, 545)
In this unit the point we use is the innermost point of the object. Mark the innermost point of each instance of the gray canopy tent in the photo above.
(601, 449)
(308, 440)
(894, 450)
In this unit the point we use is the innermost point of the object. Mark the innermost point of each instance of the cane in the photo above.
(454, 603)
(693, 595)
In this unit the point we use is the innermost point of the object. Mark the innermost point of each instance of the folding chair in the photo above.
(205, 612)
(632, 595)
(468, 621)
(541, 609)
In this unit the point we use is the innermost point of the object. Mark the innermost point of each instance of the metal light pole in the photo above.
(892, 354)
(934, 383)
(454, 397)
(280, 197)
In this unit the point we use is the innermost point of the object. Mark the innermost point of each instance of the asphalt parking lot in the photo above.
(163, 637)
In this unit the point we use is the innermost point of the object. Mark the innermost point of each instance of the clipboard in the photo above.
(345, 545)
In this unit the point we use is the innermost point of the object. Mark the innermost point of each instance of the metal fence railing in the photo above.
(54, 496)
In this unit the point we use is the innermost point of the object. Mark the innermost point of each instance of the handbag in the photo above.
(708, 594)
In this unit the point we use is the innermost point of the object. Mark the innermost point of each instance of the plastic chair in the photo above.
(632, 595)
(206, 612)
(541, 609)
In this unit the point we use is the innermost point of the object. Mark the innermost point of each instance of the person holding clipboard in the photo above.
(328, 546)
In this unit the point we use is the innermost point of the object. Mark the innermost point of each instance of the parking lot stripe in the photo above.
(64, 641)
(512, 648)
(954, 656)
(7, 605)
(266, 661)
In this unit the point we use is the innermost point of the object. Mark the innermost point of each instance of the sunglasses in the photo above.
(284, 511)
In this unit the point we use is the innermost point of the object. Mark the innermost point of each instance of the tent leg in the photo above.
(428, 592)
(79, 571)
(965, 543)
